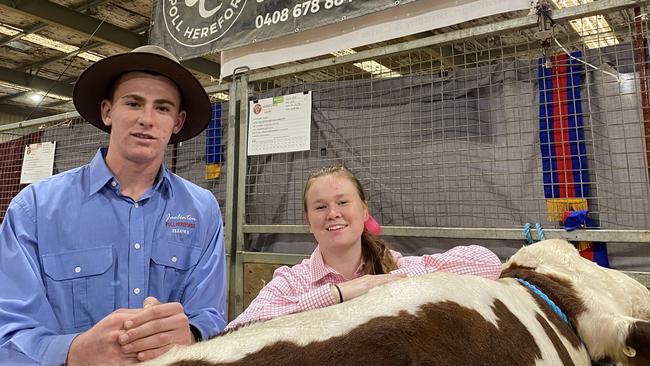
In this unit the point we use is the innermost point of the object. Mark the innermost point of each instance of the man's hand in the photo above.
(99, 346)
(155, 329)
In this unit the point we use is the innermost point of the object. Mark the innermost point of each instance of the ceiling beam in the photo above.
(33, 29)
(40, 26)
(15, 95)
(203, 66)
(56, 14)
(59, 103)
(63, 56)
(23, 111)
(35, 82)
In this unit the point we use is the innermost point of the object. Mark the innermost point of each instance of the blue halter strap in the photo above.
(538, 292)
(556, 309)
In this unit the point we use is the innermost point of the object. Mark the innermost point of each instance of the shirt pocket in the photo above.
(80, 286)
(171, 263)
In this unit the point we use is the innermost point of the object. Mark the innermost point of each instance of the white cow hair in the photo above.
(613, 305)
(332, 321)
(604, 327)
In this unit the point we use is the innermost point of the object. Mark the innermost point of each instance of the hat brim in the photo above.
(93, 84)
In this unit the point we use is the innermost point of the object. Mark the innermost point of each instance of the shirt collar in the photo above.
(100, 175)
(164, 179)
(319, 269)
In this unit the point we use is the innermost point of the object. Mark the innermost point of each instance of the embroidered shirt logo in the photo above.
(181, 224)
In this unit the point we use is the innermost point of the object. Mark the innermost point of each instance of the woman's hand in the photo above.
(361, 285)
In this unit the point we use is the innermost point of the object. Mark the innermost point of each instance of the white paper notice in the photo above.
(279, 124)
(38, 162)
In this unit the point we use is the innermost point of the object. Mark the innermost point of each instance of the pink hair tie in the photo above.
(371, 226)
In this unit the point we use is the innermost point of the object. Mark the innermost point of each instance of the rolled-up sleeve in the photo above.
(470, 260)
(286, 293)
(29, 332)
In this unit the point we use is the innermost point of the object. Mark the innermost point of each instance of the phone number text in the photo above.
(299, 10)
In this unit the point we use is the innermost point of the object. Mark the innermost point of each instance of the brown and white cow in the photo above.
(448, 319)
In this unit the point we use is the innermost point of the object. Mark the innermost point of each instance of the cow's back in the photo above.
(437, 319)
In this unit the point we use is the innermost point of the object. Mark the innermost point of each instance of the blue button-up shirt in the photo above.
(73, 250)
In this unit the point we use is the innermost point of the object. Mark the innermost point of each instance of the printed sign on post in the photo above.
(38, 162)
(279, 124)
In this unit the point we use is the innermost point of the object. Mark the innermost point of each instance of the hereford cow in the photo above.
(551, 307)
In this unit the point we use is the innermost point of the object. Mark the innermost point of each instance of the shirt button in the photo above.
(136, 205)
(113, 183)
(136, 245)
(77, 269)
(136, 290)
(174, 259)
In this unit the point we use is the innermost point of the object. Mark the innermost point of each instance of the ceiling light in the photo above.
(347, 51)
(595, 30)
(377, 69)
(90, 56)
(220, 96)
(568, 3)
(20, 46)
(9, 30)
(373, 67)
(38, 96)
(35, 98)
(56, 96)
(13, 86)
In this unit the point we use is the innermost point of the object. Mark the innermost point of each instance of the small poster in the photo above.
(279, 124)
(38, 162)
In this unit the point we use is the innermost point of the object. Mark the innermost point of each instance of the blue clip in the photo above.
(540, 231)
(527, 235)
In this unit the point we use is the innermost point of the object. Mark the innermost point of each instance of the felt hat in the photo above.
(93, 86)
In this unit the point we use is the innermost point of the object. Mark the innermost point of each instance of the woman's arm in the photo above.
(289, 292)
(473, 260)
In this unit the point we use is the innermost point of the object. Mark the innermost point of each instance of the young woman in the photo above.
(349, 260)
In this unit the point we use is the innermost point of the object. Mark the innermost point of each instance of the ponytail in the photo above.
(377, 257)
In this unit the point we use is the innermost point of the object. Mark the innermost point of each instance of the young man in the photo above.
(116, 261)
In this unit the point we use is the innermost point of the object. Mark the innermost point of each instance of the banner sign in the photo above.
(391, 23)
(192, 28)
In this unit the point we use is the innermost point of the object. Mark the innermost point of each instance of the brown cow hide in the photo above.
(449, 319)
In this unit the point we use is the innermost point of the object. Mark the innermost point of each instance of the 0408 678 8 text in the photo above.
(299, 10)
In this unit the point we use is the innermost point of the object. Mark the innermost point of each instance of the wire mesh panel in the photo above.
(11, 156)
(200, 160)
(479, 133)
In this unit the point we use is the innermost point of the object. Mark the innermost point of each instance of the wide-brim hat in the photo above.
(93, 86)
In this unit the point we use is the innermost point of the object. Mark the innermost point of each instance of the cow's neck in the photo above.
(556, 309)
(559, 292)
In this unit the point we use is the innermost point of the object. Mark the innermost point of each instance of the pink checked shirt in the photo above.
(306, 285)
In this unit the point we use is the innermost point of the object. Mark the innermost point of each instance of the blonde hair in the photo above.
(377, 258)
